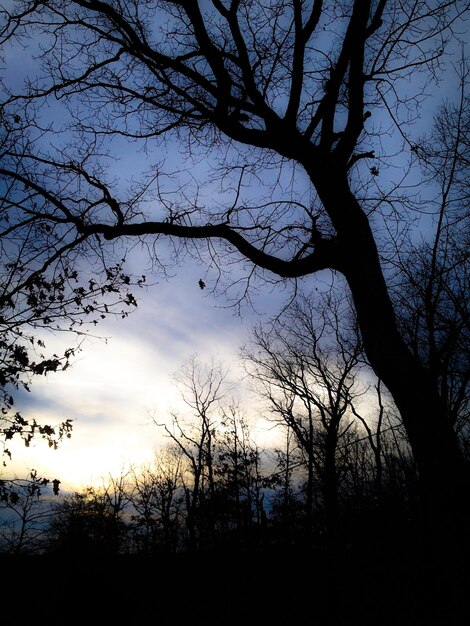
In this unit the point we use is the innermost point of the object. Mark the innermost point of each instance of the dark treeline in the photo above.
(340, 478)
(339, 473)
(337, 488)
(216, 514)
(224, 493)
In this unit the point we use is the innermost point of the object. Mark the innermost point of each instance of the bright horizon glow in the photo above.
(113, 389)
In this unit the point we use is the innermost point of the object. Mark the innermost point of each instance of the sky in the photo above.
(123, 378)
(113, 388)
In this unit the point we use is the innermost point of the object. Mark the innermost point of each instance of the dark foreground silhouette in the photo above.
(392, 584)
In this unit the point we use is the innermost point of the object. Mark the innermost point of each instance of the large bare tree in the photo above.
(300, 105)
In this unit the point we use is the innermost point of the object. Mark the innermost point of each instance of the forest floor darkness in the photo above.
(282, 584)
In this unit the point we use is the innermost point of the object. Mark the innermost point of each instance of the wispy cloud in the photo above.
(113, 386)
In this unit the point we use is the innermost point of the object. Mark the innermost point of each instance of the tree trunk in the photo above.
(330, 488)
(434, 444)
(309, 489)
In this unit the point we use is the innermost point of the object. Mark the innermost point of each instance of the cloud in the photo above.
(112, 386)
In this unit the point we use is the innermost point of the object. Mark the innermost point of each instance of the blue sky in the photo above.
(112, 387)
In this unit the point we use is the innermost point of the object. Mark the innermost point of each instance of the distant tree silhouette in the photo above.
(26, 510)
(90, 523)
(293, 491)
(202, 386)
(307, 367)
(220, 466)
(240, 478)
(297, 100)
(158, 504)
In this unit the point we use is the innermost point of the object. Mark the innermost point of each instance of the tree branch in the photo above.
(324, 256)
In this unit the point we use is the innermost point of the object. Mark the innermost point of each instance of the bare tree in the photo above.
(432, 293)
(157, 499)
(26, 509)
(220, 466)
(381, 469)
(90, 523)
(308, 372)
(239, 478)
(116, 494)
(202, 386)
(304, 92)
(290, 514)
(375, 438)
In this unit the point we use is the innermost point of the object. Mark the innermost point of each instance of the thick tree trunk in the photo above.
(443, 483)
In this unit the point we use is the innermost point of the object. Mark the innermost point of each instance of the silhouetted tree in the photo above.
(379, 500)
(202, 388)
(34, 302)
(288, 504)
(220, 466)
(90, 523)
(432, 293)
(25, 512)
(305, 93)
(308, 373)
(375, 438)
(240, 479)
(158, 502)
